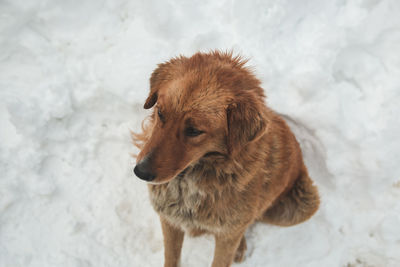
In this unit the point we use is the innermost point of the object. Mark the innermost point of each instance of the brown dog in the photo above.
(217, 159)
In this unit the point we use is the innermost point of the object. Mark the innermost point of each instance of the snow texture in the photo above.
(73, 79)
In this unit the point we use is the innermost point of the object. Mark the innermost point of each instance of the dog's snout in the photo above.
(143, 170)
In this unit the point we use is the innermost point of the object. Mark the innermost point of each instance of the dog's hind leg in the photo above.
(295, 206)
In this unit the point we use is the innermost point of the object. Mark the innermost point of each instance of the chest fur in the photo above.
(186, 205)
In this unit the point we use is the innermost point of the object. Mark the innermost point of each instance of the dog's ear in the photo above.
(151, 100)
(159, 75)
(245, 124)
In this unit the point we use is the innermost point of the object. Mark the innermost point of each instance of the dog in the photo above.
(216, 158)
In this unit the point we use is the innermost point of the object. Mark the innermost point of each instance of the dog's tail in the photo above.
(296, 206)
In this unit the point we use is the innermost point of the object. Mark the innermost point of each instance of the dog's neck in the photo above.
(215, 171)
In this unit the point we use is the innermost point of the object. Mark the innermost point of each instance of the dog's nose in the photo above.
(143, 170)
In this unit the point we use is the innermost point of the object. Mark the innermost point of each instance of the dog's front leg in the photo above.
(225, 248)
(173, 239)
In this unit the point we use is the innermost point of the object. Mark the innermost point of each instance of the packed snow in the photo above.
(73, 79)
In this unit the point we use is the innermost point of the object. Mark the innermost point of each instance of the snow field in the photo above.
(73, 79)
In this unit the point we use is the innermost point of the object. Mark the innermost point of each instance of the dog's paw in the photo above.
(241, 251)
(239, 256)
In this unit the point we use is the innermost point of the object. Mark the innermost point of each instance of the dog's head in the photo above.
(206, 105)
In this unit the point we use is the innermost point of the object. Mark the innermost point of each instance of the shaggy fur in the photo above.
(242, 163)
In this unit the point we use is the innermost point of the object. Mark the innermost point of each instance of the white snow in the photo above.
(73, 79)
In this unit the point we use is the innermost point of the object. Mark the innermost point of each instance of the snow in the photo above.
(73, 79)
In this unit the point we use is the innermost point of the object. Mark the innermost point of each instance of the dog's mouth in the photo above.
(182, 173)
(206, 156)
(213, 154)
(179, 176)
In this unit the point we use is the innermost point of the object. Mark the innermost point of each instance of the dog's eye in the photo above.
(160, 115)
(192, 132)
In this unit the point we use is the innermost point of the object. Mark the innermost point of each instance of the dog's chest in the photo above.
(183, 203)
